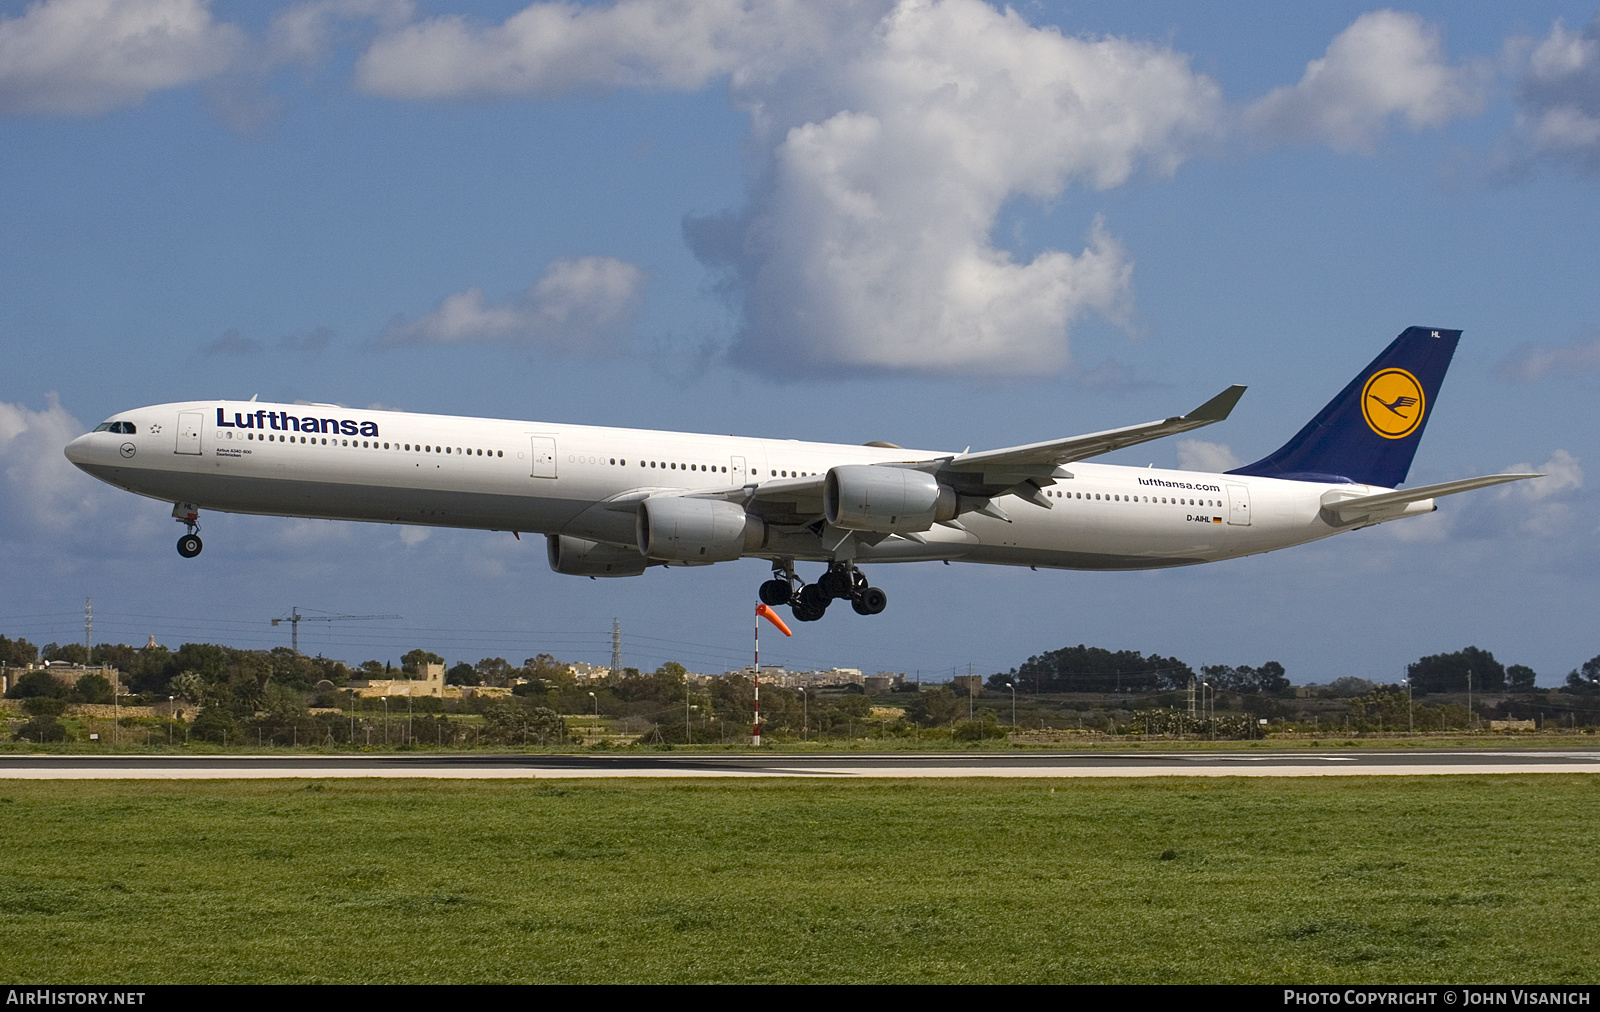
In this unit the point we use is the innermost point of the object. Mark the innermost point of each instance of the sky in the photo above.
(941, 224)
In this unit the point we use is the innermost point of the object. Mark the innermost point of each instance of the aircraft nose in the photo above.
(78, 450)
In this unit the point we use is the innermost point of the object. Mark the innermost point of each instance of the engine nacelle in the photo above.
(675, 529)
(885, 500)
(578, 557)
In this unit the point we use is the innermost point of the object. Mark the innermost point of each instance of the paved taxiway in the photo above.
(816, 765)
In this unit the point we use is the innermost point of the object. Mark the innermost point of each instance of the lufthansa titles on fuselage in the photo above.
(283, 421)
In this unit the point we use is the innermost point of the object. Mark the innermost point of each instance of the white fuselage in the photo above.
(533, 477)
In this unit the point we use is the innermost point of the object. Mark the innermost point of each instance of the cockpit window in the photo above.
(126, 428)
(103, 427)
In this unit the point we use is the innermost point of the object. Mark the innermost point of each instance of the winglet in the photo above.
(1218, 407)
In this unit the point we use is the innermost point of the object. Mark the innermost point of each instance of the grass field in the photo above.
(1455, 879)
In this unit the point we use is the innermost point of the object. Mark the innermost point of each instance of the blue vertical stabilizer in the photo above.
(1369, 433)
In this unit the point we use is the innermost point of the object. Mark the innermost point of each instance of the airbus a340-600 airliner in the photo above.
(614, 502)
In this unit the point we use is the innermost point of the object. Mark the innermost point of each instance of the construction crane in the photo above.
(294, 618)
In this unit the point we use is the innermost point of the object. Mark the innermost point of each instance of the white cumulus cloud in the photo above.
(1562, 473)
(550, 48)
(583, 306)
(1533, 362)
(1199, 455)
(887, 137)
(1558, 100)
(1387, 64)
(866, 243)
(39, 488)
(81, 57)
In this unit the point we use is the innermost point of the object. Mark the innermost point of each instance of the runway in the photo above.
(1254, 763)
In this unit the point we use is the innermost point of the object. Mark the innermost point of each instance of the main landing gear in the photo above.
(190, 544)
(842, 581)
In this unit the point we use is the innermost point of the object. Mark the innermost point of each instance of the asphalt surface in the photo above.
(1254, 763)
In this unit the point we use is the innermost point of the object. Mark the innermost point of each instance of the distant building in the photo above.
(431, 683)
(972, 685)
(1512, 725)
(585, 673)
(63, 672)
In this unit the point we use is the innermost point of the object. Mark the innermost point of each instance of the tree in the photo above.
(1520, 678)
(665, 684)
(215, 724)
(1585, 680)
(1448, 672)
(115, 655)
(494, 670)
(72, 653)
(191, 686)
(412, 660)
(1093, 669)
(42, 729)
(17, 653)
(463, 674)
(935, 707)
(93, 689)
(1267, 678)
(508, 723)
(1381, 709)
(37, 683)
(985, 725)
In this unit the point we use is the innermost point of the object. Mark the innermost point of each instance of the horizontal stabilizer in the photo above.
(1336, 502)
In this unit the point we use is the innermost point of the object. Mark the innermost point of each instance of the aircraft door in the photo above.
(736, 471)
(189, 431)
(544, 456)
(1238, 506)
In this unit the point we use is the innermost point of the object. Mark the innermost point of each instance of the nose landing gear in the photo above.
(842, 581)
(188, 514)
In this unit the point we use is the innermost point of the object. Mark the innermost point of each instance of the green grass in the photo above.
(1460, 879)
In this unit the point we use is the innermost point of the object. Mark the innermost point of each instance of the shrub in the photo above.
(215, 724)
(44, 706)
(36, 683)
(42, 729)
(978, 729)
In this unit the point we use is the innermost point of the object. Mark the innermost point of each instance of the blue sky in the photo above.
(937, 224)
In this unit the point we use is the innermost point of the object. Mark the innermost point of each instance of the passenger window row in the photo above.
(1106, 496)
(371, 444)
(673, 466)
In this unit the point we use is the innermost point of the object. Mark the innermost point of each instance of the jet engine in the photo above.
(578, 557)
(885, 500)
(675, 529)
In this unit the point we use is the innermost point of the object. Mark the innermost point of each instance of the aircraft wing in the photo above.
(1336, 501)
(1055, 452)
(987, 474)
(1022, 470)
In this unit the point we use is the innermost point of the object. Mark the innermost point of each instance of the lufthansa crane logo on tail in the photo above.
(1393, 403)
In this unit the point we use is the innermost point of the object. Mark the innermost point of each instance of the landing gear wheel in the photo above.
(189, 545)
(870, 601)
(774, 593)
(836, 583)
(810, 604)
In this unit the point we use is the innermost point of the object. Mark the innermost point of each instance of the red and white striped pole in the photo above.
(763, 612)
